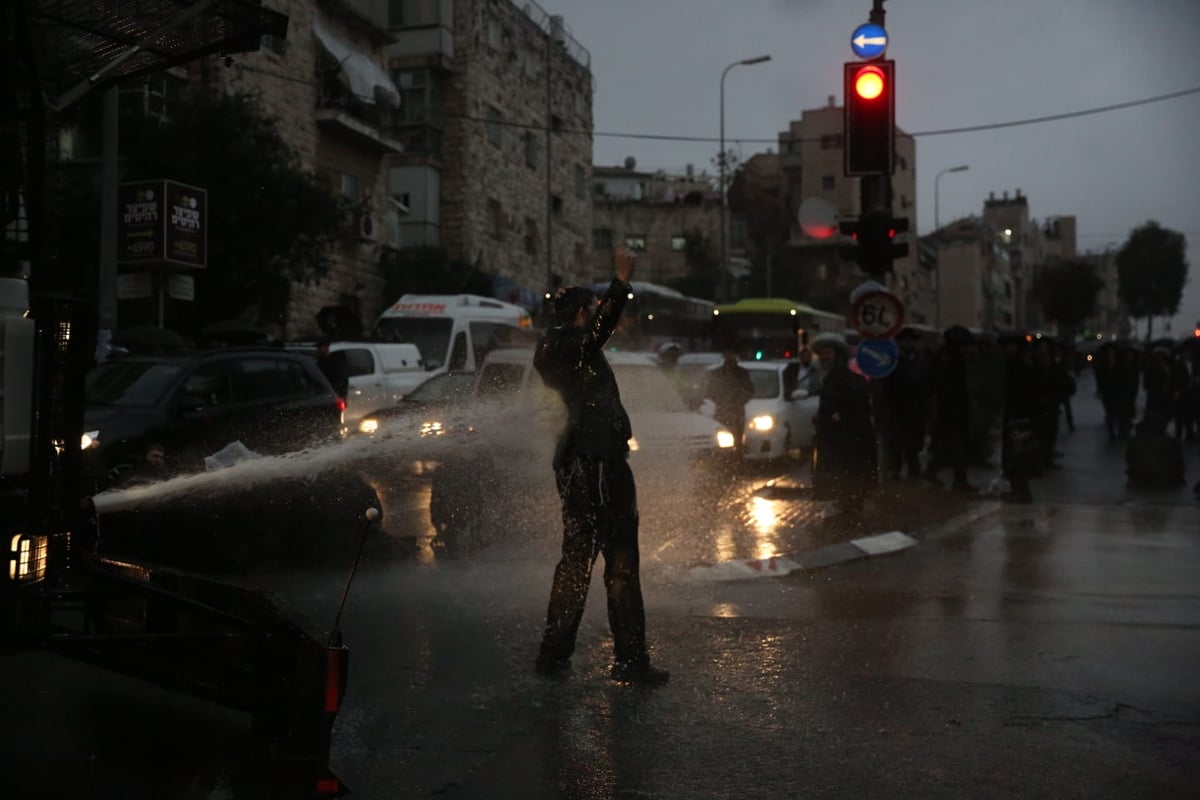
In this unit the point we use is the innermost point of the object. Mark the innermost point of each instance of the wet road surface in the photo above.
(1035, 651)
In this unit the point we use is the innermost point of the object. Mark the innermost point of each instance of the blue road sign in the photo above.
(877, 358)
(869, 41)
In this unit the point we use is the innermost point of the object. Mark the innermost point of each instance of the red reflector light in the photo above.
(328, 786)
(334, 668)
(341, 404)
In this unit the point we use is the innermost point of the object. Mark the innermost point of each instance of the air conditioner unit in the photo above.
(364, 226)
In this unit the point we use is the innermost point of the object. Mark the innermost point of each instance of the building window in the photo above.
(580, 182)
(602, 238)
(636, 242)
(411, 13)
(349, 186)
(580, 253)
(828, 182)
(679, 243)
(531, 149)
(831, 141)
(556, 123)
(495, 34)
(556, 203)
(495, 219)
(418, 97)
(737, 233)
(495, 126)
(902, 162)
(531, 236)
(274, 44)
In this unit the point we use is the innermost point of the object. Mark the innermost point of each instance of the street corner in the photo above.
(818, 558)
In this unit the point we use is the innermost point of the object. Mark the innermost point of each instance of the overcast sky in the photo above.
(657, 66)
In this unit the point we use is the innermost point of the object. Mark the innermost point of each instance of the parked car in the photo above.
(193, 404)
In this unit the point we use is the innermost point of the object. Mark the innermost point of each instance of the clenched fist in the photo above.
(625, 259)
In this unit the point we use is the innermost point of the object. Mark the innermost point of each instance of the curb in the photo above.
(827, 556)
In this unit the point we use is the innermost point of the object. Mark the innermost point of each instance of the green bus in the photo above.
(763, 328)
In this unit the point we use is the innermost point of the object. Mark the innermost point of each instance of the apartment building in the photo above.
(327, 86)
(661, 217)
(811, 159)
(495, 120)
(976, 288)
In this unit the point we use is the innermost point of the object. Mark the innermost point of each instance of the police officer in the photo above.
(595, 483)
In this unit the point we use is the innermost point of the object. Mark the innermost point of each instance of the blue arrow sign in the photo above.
(869, 41)
(877, 358)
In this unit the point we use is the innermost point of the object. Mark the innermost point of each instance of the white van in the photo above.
(454, 331)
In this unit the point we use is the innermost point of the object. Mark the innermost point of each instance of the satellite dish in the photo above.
(818, 218)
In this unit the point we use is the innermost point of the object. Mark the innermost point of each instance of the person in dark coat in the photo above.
(1105, 366)
(951, 412)
(906, 405)
(846, 447)
(1020, 446)
(1127, 378)
(333, 368)
(595, 483)
(730, 388)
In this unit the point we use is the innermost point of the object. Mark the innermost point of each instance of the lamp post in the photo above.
(721, 164)
(937, 226)
(936, 180)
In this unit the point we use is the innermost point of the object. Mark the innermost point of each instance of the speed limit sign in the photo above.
(877, 315)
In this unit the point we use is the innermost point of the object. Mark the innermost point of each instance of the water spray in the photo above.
(335, 634)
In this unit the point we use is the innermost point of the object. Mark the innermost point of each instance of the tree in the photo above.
(270, 223)
(429, 270)
(1151, 272)
(1066, 292)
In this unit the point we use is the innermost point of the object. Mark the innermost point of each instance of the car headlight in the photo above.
(368, 426)
(89, 439)
(763, 422)
(725, 440)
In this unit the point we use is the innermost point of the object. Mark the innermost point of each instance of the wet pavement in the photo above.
(1016, 651)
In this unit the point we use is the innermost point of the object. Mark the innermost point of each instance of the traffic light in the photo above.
(875, 246)
(870, 117)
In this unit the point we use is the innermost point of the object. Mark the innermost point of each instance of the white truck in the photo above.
(454, 331)
(378, 373)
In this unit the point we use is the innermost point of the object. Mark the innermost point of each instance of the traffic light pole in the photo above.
(875, 191)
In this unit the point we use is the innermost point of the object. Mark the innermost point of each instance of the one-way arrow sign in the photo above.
(877, 358)
(869, 41)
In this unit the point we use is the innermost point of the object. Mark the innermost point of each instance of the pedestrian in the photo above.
(730, 388)
(333, 367)
(1105, 367)
(950, 400)
(1127, 378)
(905, 406)
(668, 360)
(1050, 389)
(846, 464)
(595, 483)
(1020, 447)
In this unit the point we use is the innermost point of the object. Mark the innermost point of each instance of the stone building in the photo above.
(496, 120)
(811, 158)
(655, 215)
(334, 101)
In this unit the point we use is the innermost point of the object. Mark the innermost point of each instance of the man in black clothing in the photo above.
(1020, 446)
(951, 398)
(906, 406)
(730, 388)
(595, 484)
(334, 369)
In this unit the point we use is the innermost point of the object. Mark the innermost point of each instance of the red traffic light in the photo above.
(869, 82)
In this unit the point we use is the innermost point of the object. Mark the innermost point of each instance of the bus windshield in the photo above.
(431, 335)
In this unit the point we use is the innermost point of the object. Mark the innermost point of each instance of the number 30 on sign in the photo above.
(877, 315)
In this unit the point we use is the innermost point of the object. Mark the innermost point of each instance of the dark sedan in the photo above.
(193, 405)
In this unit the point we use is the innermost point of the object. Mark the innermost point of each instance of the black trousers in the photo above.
(599, 511)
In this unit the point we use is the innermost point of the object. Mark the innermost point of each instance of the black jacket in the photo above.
(571, 361)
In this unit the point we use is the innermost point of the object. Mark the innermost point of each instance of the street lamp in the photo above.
(959, 168)
(721, 164)
(937, 226)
